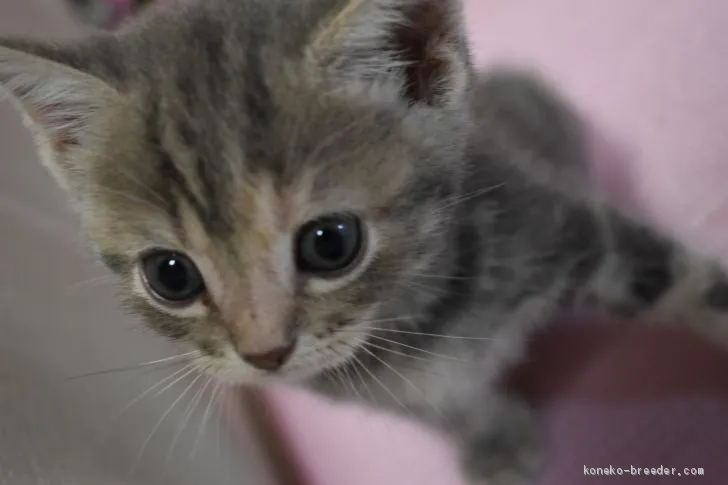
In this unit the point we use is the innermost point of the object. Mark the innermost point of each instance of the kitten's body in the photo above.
(521, 252)
(221, 130)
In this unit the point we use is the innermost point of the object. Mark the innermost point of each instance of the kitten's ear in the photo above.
(418, 44)
(60, 103)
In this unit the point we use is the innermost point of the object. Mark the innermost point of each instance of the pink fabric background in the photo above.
(649, 76)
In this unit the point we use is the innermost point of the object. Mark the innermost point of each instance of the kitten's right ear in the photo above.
(417, 46)
(59, 103)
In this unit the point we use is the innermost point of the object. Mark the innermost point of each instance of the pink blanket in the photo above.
(650, 78)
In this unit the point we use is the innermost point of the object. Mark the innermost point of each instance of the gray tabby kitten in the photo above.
(323, 191)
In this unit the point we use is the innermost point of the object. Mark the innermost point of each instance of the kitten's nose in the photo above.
(271, 360)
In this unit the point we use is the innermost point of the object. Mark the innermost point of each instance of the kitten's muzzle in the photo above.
(272, 360)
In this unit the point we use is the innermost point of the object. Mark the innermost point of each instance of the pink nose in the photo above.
(271, 360)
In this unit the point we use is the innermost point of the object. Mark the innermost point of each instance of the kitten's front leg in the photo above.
(510, 449)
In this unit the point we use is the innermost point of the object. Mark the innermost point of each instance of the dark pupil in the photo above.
(173, 275)
(330, 244)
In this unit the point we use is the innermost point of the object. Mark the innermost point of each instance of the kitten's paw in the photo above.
(512, 452)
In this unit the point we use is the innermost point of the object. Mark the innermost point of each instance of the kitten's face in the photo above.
(287, 250)
(260, 204)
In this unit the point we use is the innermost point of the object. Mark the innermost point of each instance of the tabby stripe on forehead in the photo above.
(207, 35)
(169, 170)
(189, 138)
(258, 104)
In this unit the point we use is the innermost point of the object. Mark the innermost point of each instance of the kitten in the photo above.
(325, 192)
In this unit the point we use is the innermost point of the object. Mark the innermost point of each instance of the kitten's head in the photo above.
(264, 176)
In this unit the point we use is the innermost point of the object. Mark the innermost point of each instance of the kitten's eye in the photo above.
(172, 277)
(329, 245)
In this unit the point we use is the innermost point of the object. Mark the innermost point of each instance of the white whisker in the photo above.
(428, 352)
(383, 386)
(205, 417)
(91, 281)
(467, 196)
(429, 290)
(409, 356)
(160, 421)
(188, 414)
(185, 371)
(396, 352)
(192, 369)
(150, 363)
(347, 376)
(355, 366)
(391, 319)
(423, 334)
(407, 381)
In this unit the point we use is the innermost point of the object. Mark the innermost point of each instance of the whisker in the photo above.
(396, 352)
(407, 381)
(193, 368)
(333, 374)
(312, 352)
(90, 281)
(403, 318)
(307, 357)
(188, 414)
(161, 420)
(386, 389)
(205, 418)
(339, 373)
(185, 371)
(468, 196)
(143, 365)
(355, 367)
(347, 376)
(424, 351)
(410, 356)
(329, 375)
(429, 290)
(423, 334)
(433, 291)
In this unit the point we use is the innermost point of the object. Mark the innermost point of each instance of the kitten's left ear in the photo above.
(420, 45)
(60, 103)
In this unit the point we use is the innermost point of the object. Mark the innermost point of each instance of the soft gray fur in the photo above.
(219, 128)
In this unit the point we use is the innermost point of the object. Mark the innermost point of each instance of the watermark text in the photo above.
(643, 471)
